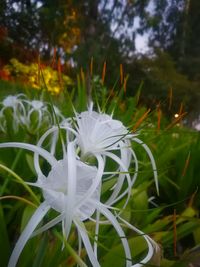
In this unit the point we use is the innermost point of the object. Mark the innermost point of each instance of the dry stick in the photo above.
(191, 201)
(60, 74)
(170, 98)
(91, 66)
(159, 113)
(186, 165)
(125, 83)
(181, 109)
(121, 73)
(103, 72)
(137, 124)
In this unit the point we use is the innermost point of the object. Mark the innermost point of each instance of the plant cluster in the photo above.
(94, 149)
(17, 111)
(107, 204)
(36, 76)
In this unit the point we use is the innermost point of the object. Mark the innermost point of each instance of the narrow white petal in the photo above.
(32, 224)
(55, 132)
(147, 149)
(48, 225)
(79, 243)
(133, 179)
(54, 141)
(86, 241)
(39, 119)
(119, 230)
(121, 178)
(45, 154)
(29, 116)
(39, 144)
(96, 233)
(96, 181)
(152, 246)
(71, 187)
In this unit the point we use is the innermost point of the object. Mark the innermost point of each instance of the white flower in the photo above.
(39, 113)
(13, 101)
(72, 188)
(16, 104)
(36, 115)
(65, 190)
(30, 114)
(112, 143)
(59, 189)
(100, 135)
(98, 132)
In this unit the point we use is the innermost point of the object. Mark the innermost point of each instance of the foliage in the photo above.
(37, 26)
(106, 31)
(71, 26)
(37, 76)
(170, 218)
(159, 75)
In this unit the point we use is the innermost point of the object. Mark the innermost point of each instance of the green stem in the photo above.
(71, 250)
(21, 181)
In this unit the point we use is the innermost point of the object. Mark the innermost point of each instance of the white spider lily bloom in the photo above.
(65, 189)
(16, 104)
(38, 107)
(37, 114)
(71, 134)
(31, 114)
(69, 190)
(100, 135)
(98, 132)
(13, 101)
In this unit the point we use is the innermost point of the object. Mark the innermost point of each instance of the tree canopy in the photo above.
(106, 31)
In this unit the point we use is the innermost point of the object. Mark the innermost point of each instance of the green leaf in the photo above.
(28, 212)
(4, 240)
(116, 256)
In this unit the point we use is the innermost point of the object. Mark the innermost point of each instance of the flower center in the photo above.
(56, 188)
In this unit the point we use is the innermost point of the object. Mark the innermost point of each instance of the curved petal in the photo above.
(152, 246)
(48, 225)
(55, 131)
(149, 153)
(39, 144)
(133, 179)
(121, 178)
(96, 233)
(71, 187)
(119, 230)
(45, 154)
(96, 182)
(83, 233)
(32, 224)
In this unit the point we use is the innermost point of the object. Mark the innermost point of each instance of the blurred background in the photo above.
(156, 41)
(138, 58)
